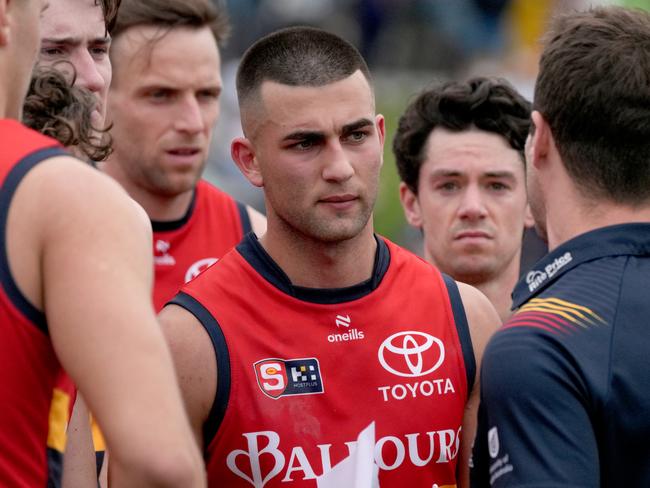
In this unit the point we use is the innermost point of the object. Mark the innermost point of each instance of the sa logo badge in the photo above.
(284, 377)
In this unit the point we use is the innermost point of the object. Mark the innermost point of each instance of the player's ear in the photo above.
(540, 140)
(411, 205)
(380, 121)
(529, 221)
(243, 154)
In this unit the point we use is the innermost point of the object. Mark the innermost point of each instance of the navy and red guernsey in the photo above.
(28, 365)
(214, 224)
(565, 386)
(302, 371)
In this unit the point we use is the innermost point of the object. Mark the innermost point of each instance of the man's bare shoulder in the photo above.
(65, 188)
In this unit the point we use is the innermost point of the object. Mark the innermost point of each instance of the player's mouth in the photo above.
(184, 154)
(472, 235)
(340, 202)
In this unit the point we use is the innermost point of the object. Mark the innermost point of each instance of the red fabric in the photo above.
(275, 440)
(212, 230)
(28, 364)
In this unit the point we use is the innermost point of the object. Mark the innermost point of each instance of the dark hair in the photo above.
(593, 89)
(109, 9)
(169, 14)
(297, 56)
(62, 111)
(492, 105)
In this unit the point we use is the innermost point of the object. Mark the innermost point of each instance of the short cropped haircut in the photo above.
(593, 89)
(169, 14)
(488, 104)
(297, 56)
(58, 109)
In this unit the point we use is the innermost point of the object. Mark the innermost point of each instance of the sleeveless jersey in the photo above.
(302, 371)
(28, 365)
(214, 224)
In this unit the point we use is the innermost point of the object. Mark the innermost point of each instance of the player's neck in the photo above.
(565, 224)
(316, 264)
(159, 208)
(164, 209)
(498, 289)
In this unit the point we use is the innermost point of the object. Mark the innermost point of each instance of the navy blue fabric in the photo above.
(258, 258)
(463, 330)
(245, 218)
(565, 396)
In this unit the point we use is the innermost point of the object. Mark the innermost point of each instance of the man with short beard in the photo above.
(163, 106)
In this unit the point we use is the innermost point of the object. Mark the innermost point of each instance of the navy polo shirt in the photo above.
(565, 384)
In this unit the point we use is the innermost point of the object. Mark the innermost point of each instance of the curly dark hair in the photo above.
(62, 111)
(489, 104)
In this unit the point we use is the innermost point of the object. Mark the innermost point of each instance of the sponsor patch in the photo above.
(284, 377)
(538, 277)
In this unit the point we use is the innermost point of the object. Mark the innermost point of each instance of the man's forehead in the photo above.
(73, 19)
(155, 53)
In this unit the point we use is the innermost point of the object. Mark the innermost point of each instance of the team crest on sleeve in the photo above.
(493, 442)
(285, 377)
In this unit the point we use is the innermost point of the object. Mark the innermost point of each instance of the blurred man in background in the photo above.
(164, 104)
(459, 149)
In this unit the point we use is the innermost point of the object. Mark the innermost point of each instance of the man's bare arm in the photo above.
(483, 320)
(195, 363)
(86, 261)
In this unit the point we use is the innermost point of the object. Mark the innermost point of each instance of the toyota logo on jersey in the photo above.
(411, 354)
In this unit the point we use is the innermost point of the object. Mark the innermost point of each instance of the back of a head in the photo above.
(593, 89)
(297, 56)
(488, 104)
(62, 111)
(169, 14)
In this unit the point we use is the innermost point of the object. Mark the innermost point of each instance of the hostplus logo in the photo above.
(345, 333)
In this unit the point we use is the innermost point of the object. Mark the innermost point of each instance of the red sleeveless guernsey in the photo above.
(28, 365)
(302, 371)
(214, 224)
